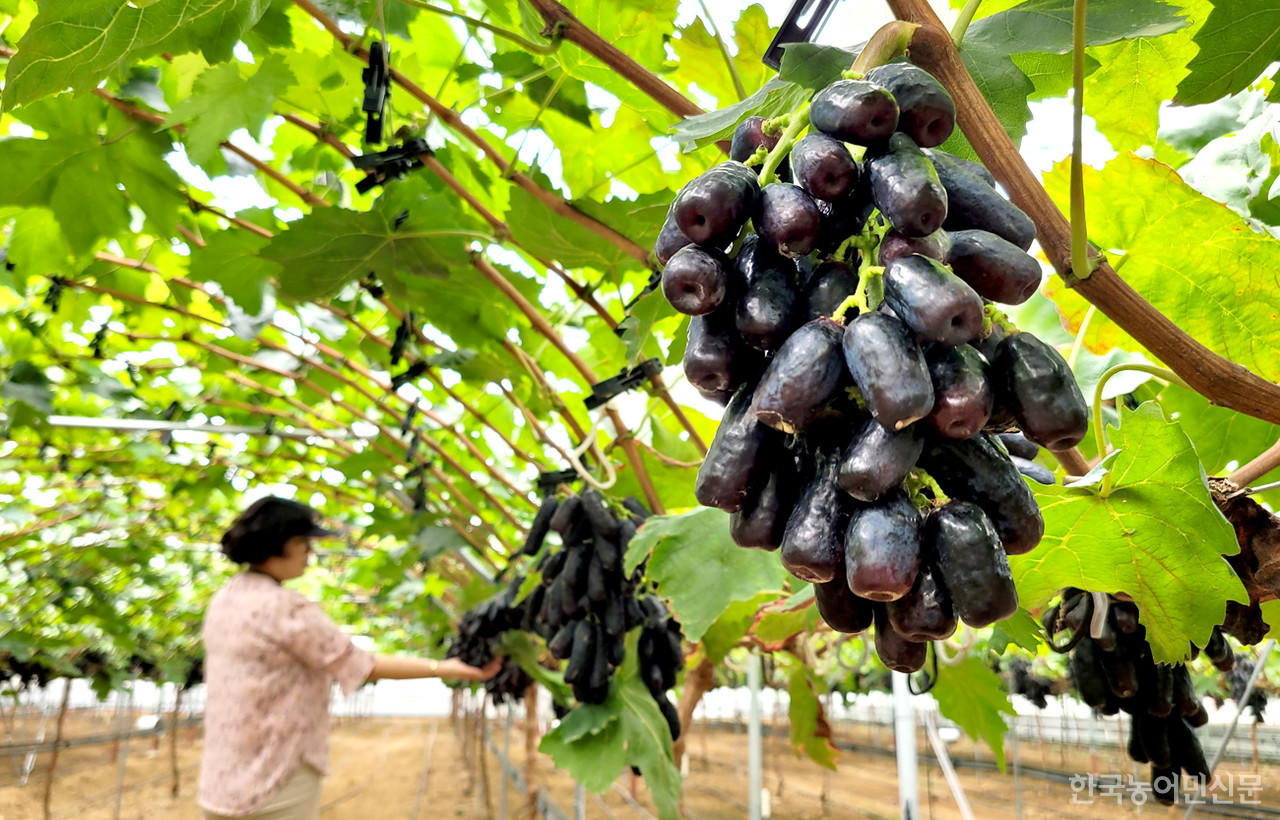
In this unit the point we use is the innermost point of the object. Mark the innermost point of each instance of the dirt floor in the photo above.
(423, 768)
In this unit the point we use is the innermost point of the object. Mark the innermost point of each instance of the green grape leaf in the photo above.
(815, 66)
(626, 730)
(638, 335)
(702, 61)
(1021, 629)
(810, 732)
(1157, 537)
(77, 43)
(231, 259)
(697, 567)
(1221, 436)
(974, 698)
(332, 246)
(1271, 617)
(28, 384)
(773, 627)
(774, 98)
(1005, 88)
(36, 245)
(724, 634)
(227, 98)
(1220, 287)
(1237, 43)
(542, 233)
(1045, 25)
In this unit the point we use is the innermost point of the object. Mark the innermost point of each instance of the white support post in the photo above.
(755, 773)
(904, 741)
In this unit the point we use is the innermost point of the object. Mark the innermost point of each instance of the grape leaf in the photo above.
(1124, 94)
(1021, 629)
(815, 66)
(1045, 25)
(332, 246)
(702, 61)
(1219, 287)
(773, 627)
(1220, 435)
(542, 233)
(1271, 617)
(76, 43)
(774, 98)
(974, 698)
(1239, 40)
(810, 732)
(36, 246)
(225, 100)
(231, 258)
(1157, 537)
(594, 742)
(724, 634)
(698, 568)
(1005, 88)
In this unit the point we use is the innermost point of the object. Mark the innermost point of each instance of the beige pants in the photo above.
(298, 799)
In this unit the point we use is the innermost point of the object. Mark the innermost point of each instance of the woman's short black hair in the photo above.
(266, 526)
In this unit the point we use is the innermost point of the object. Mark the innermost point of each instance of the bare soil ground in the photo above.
(384, 768)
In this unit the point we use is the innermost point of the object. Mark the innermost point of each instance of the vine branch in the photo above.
(1223, 382)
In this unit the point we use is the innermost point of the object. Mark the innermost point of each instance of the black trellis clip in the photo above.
(627, 379)
(814, 12)
(392, 163)
(548, 481)
(377, 90)
(655, 281)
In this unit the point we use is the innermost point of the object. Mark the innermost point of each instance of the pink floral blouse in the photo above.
(271, 657)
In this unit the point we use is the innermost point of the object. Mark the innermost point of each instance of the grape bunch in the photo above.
(1114, 672)
(585, 605)
(1035, 688)
(865, 448)
(479, 631)
(1238, 681)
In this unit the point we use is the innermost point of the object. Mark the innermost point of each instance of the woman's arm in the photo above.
(401, 667)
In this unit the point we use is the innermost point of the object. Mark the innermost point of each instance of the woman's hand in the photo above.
(457, 670)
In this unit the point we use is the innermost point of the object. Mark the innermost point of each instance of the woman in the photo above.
(271, 657)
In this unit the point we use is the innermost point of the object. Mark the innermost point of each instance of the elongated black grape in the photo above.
(828, 287)
(1018, 445)
(1154, 734)
(565, 515)
(966, 549)
(1033, 471)
(1120, 673)
(824, 167)
(787, 218)
(1087, 674)
(714, 206)
(768, 309)
(1035, 383)
(1136, 752)
(730, 473)
(1184, 748)
(896, 244)
(841, 609)
(935, 303)
(748, 136)
(895, 651)
(762, 523)
(878, 460)
(925, 613)
(843, 218)
(994, 267)
(889, 369)
(562, 644)
(963, 398)
(1219, 651)
(973, 203)
(583, 654)
(670, 239)
(882, 548)
(540, 526)
(951, 162)
(695, 279)
(802, 377)
(854, 111)
(813, 543)
(926, 111)
(1164, 785)
(716, 359)
(977, 470)
(905, 187)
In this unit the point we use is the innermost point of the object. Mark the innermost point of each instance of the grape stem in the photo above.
(859, 297)
(752, 161)
(1100, 435)
(799, 122)
(993, 317)
(1081, 264)
(963, 21)
(917, 482)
